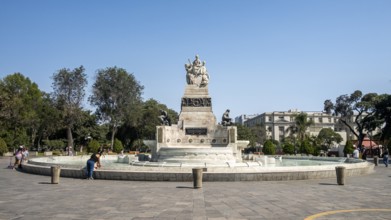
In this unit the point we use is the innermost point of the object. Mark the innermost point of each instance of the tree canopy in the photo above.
(328, 136)
(116, 94)
(68, 92)
(19, 101)
(356, 108)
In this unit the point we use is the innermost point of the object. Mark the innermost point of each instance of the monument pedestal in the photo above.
(197, 138)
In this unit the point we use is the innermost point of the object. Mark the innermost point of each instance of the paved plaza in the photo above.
(28, 196)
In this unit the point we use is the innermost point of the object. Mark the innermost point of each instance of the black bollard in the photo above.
(340, 175)
(197, 177)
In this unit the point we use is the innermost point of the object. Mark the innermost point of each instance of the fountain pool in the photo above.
(256, 169)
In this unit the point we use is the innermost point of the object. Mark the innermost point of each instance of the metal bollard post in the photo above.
(376, 160)
(55, 171)
(197, 177)
(340, 175)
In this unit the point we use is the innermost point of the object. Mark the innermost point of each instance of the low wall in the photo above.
(212, 174)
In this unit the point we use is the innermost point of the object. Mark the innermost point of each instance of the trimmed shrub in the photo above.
(348, 148)
(306, 147)
(54, 144)
(57, 153)
(117, 147)
(269, 148)
(93, 146)
(3, 147)
(288, 148)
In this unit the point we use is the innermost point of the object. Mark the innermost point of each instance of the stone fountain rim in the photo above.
(353, 168)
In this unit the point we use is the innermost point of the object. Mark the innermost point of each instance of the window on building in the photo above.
(329, 120)
(281, 118)
(281, 130)
(320, 120)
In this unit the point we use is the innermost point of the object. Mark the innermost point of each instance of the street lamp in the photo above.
(88, 138)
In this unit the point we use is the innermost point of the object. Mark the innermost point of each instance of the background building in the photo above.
(277, 124)
(243, 118)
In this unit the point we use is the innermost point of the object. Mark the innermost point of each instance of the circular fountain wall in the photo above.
(256, 169)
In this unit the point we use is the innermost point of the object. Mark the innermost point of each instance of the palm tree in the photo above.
(300, 127)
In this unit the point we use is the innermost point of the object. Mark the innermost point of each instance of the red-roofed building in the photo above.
(367, 143)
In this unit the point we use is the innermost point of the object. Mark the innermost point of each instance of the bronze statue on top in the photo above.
(226, 120)
(164, 119)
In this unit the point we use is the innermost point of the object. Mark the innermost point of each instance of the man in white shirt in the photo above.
(355, 153)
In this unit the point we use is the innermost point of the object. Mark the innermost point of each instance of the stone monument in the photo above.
(197, 138)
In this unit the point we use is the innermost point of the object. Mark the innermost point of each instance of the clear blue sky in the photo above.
(261, 55)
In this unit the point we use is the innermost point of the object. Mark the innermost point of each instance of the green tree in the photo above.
(382, 117)
(306, 147)
(19, 101)
(298, 131)
(86, 129)
(327, 137)
(93, 146)
(118, 147)
(49, 117)
(244, 133)
(54, 144)
(288, 148)
(3, 147)
(68, 91)
(355, 108)
(348, 148)
(150, 118)
(259, 133)
(117, 95)
(269, 148)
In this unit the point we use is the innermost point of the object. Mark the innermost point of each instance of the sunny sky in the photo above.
(261, 55)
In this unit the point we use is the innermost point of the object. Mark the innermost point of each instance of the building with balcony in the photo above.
(277, 123)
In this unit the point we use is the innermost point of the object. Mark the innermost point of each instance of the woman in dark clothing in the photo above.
(95, 159)
(385, 156)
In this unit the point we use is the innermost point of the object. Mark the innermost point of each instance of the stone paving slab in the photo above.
(28, 196)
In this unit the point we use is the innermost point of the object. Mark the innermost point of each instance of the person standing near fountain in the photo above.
(385, 157)
(356, 153)
(94, 160)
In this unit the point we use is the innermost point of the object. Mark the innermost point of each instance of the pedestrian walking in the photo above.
(385, 157)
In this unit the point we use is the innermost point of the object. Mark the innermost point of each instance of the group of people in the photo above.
(384, 155)
(21, 156)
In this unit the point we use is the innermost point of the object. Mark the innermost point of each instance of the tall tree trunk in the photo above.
(70, 138)
(33, 136)
(112, 137)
